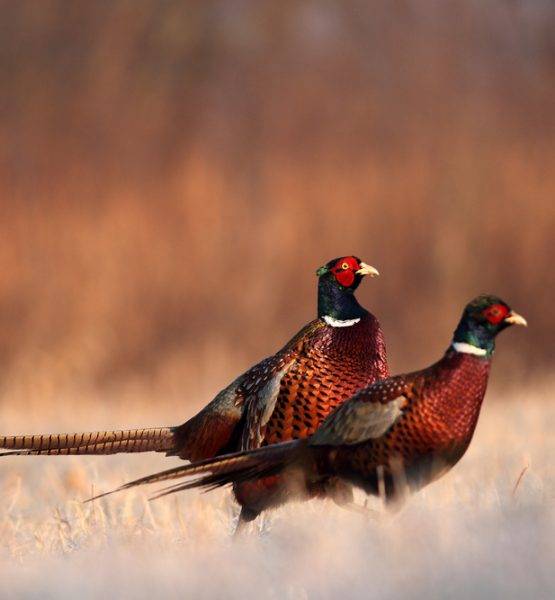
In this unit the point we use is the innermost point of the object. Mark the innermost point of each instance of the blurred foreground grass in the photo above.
(468, 535)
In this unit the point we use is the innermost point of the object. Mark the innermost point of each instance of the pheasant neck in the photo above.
(337, 302)
(456, 389)
(471, 339)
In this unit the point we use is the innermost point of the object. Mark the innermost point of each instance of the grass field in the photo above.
(469, 535)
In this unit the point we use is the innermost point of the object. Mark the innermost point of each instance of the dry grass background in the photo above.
(171, 174)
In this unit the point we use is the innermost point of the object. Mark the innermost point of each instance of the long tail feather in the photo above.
(223, 470)
(159, 439)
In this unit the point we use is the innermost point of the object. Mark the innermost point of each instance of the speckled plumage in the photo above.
(406, 429)
(315, 371)
(331, 366)
(327, 365)
(439, 409)
(397, 435)
(421, 422)
(285, 396)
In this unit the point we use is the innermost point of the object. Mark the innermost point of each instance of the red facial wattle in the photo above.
(496, 313)
(344, 270)
(345, 278)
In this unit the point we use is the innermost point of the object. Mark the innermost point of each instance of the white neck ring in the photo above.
(339, 323)
(469, 349)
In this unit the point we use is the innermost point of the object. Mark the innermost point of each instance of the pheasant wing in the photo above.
(366, 415)
(261, 388)
(238, 413)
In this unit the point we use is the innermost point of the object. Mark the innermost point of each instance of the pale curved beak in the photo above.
(515, 319)
(367, 270)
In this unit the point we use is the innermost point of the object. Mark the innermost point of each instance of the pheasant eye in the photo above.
(495, 314)
(345, 266)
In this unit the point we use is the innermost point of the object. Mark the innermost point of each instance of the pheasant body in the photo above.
(439, 408)
(396, 435)
(284, 397)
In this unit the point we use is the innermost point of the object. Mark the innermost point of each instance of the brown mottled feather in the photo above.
(330, 365)
(427, 431)
(212, 431)
(157, 439)
(434, 428)
(284, 397)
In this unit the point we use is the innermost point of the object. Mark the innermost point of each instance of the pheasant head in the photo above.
(338, 279)
(482, 319)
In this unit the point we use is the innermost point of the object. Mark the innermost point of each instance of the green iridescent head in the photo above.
(483, 318)
(337, 281)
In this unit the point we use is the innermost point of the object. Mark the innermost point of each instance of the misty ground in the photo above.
(469, 535)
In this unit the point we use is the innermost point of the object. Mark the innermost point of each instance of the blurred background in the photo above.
(172, 174)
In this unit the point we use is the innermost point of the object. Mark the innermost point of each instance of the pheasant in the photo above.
(393, 437)
(284, 397)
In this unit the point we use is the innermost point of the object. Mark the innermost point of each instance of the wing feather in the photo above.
(262, 393)
(367, 415)
(238, 414)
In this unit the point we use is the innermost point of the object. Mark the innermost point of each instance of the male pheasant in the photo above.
(284, 397)
(397, 435)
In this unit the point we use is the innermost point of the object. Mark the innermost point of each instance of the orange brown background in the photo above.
(172, 174)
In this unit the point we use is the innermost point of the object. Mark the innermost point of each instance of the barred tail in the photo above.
(226, 469)
(159, 439)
